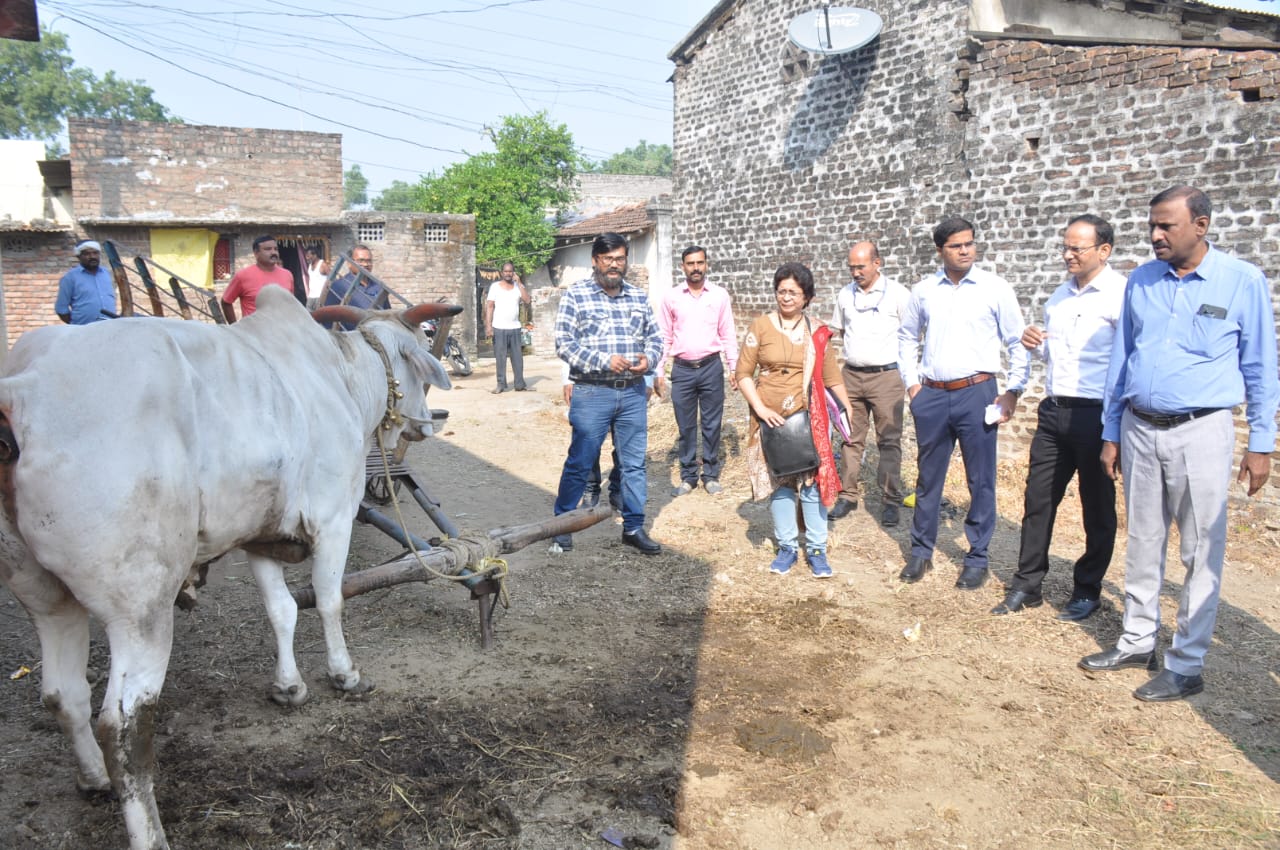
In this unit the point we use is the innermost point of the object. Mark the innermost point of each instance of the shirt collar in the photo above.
(878, 286)
(1204, 271)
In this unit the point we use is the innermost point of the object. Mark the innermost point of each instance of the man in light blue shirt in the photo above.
(968, 317)
(87, 290)
(1196, 338)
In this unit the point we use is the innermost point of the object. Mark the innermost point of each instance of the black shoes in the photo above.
(972, 578)
(1017, 600)
(1079, 609)
(640, 540)
(842, 508)
(915, 569)
(890, 516)
(1170, 686)
(1117, 659)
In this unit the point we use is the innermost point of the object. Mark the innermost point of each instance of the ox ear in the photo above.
(419, 313)
(431, 369)
(339, 313)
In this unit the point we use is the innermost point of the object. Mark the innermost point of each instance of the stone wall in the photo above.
(784, 155)
(177, 172)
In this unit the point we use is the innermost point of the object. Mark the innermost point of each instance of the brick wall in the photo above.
(160, 172)
(33, 263)
(783, 155)
(421, 270)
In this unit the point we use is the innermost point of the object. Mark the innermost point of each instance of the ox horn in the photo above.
(339, 313)
(419, 313)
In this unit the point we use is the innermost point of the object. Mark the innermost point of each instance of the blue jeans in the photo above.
(782, 504)
(593, 411)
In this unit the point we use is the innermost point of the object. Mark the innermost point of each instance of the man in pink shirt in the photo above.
(248, 282)
(697, 329)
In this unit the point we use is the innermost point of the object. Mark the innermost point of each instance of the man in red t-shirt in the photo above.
(249, 281)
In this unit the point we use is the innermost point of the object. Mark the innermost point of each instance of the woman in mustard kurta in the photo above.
(775, 375)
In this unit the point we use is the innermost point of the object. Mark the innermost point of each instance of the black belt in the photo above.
(602, 381)
(701, 361)
(888, 367)
(1173, 420)
(1072, 401)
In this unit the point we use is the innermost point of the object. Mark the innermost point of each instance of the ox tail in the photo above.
(8, 457)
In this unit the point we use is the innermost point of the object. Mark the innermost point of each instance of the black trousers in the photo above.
(1067, 441)
(698, 393)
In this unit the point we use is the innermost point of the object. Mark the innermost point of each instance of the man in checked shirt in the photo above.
(607, 333)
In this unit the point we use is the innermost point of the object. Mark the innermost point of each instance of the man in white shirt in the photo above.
(1080, 323)
(502, 322)
(868, 314)
(967, 316)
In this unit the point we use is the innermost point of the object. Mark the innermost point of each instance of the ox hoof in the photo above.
(352, 684)
(294, 695)
(96, 794)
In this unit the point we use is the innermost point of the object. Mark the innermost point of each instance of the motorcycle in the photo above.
(453, 352)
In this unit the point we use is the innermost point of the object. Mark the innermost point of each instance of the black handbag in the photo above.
(788, 448)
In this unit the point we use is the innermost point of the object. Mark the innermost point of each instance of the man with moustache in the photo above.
(502, 323)
(696, 318)
(606, 331)
(1196, 337)
(250, 280)
(1080, 320)
(868, 314)
(966, 315)
(86, 290)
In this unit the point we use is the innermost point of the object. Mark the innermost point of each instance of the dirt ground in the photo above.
(689, 700)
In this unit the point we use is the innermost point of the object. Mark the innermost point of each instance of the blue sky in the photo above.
(424, 78)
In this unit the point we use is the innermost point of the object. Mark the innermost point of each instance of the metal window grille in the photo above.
(436, 233)
(370, 231)
(19, 245)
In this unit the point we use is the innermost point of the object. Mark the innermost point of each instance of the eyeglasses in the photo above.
(789, 293)
(611, 261)
(957, 246)
(1075, 251)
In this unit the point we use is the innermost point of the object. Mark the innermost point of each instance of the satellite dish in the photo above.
(834, 29)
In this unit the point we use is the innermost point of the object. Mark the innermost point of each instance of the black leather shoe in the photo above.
(915, 569)
(890, 516)
(1079, 609)
(1169, 686)
(641, 541)
(1117, 659)
(841, 509)
(1017, 600)
(972, 578)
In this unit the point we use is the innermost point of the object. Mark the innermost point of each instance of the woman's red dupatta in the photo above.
(827, 476)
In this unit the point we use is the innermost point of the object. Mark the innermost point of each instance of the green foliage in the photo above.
(644, 158)
(40, 88)
(511, 191)
(355, 187)
(398, 197)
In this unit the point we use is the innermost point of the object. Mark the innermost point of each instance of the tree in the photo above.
(398, 197)
(355, 187)
(644, 158)
(516, 193)
(40, 88)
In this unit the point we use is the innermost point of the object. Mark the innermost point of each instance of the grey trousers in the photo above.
(506, 343)
(1179, 474)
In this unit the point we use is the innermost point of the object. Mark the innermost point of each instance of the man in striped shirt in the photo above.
(607, 333)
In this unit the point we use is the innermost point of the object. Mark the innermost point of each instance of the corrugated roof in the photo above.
(631, 218)
(1256, 7)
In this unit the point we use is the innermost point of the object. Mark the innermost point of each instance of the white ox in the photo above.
(139, 448)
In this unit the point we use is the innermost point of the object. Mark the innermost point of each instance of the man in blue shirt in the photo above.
(87, 290)
(968, 316)
(606, 331)
(365, 292)
(1196, 338)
